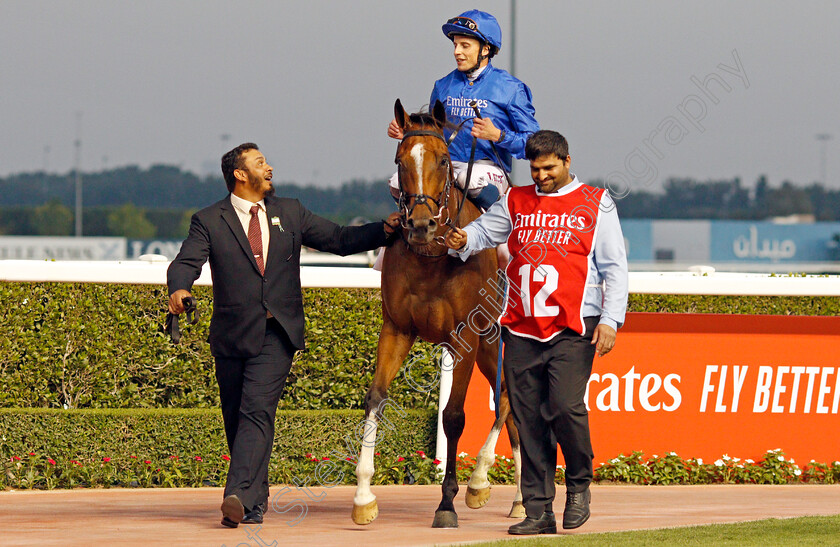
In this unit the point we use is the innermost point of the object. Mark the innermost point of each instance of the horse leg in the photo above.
(453, 426)
(478, 488)
(391, 352)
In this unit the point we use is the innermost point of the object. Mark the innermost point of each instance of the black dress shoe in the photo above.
(577, 509)
(530, 526)
(232, 511)
(255, 515)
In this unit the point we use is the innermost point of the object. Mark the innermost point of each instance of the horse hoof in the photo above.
(517, 511)
(445, 519)
(365, 514)
(476, 499)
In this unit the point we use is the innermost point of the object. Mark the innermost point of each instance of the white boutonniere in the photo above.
(275, 221)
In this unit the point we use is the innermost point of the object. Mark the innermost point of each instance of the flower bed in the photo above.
(40, 471)
(773, 468)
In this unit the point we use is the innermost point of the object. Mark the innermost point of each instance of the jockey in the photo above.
(504, 102)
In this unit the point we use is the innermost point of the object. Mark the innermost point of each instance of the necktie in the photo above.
(255, 238)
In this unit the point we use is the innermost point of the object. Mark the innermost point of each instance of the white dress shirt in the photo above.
(243, 211)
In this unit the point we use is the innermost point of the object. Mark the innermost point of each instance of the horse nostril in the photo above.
(410, 222)
(432, 224)
(419, 226)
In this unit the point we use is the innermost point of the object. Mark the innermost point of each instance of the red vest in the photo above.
(550, 246)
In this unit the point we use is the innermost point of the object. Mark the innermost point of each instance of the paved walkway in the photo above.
(191, 516)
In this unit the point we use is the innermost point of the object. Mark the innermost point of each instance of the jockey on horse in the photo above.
(504, 102)
(426, 293)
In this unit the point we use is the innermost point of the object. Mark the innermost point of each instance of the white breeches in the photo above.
(484, 172)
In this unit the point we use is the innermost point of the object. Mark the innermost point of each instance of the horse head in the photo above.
(424, 172)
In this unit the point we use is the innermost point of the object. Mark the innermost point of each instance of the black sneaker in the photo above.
(577, 509)
(530, 526)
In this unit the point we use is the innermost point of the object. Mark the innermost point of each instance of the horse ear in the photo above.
(399, 114)
(439, 112)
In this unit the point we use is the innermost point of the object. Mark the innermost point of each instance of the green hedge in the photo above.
(74, 345)
(87, 345)
(757, 305)
(186, 447)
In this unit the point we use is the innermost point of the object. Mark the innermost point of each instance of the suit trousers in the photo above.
(249, 390)
(546, 383)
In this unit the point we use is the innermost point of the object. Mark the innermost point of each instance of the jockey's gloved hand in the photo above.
(486, 197)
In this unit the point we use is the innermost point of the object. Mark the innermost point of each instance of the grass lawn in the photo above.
(770, 532)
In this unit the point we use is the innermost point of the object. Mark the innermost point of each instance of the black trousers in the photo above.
(249, 390)
(546, 383)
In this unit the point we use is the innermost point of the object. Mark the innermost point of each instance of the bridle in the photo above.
(406, 211)
(407, 202)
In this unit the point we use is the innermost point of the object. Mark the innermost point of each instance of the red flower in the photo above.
(133, 457)
(325, 459)
(349, 460)
(308, 455)
(32, 453)
(400, 459)
(51, 461)
(377, 454)
(421, 453)
(147, 461)
(226, 457)
(198, 458)
(15, 458)
(106, 460)
(173, 457)
(436, 461)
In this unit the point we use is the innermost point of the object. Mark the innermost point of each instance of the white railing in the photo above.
(702, 280)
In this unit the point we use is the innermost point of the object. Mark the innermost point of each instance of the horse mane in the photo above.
(425, 119)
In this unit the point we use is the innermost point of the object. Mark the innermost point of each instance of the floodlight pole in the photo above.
(512, 42)
(512, 37)
(78, 144)
(823, 138)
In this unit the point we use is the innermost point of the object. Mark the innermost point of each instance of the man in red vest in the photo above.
(566, 297)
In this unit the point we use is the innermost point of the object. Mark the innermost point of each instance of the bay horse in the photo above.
(443, 300)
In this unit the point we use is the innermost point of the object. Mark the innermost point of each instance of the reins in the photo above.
(451, 224)
(474, 106)
(190, 311)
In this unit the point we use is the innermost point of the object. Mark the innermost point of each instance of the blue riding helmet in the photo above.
(477, 24)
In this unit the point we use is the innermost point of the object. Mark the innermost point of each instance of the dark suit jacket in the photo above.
(241, 295)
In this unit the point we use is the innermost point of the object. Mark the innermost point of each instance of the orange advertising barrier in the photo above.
(704, 385)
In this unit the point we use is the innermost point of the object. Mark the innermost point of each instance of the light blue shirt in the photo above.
(607, 280)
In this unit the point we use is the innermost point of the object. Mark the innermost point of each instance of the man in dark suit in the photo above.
(253, 240)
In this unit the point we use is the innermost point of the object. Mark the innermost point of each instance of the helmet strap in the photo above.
(481, 57)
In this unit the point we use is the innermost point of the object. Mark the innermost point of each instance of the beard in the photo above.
(257, 183)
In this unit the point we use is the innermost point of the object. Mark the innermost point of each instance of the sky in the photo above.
(643, 90)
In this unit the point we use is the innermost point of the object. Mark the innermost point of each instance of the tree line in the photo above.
(157, 202)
